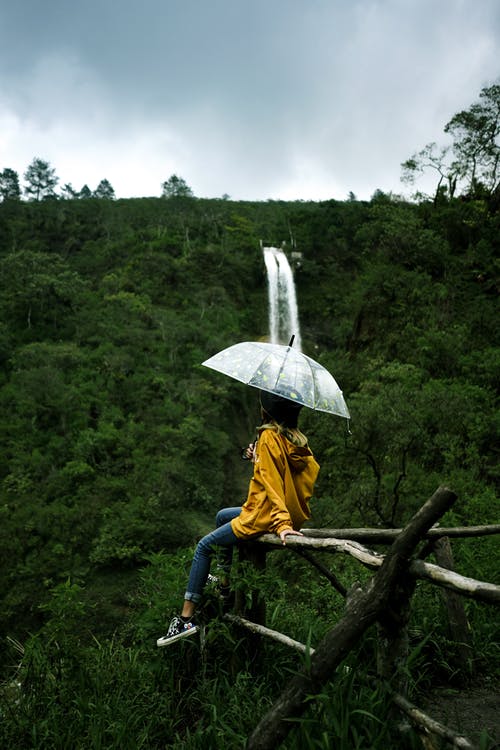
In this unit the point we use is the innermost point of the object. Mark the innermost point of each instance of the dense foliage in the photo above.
(117, 447)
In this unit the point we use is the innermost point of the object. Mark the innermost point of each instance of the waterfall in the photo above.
(283, 311)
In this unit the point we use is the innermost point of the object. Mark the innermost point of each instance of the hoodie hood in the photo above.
(298, 456)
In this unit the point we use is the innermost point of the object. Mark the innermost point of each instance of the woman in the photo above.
(282, 484)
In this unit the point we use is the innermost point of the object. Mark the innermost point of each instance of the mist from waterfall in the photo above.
(283, 310)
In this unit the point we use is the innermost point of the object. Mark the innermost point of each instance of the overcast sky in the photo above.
(257, 99)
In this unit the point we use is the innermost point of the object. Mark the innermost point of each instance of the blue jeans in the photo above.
(223, 539)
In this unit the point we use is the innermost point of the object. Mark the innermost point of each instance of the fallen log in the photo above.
(275, 635)
(484, 592)
(430, 726)
(387, 536)
(355, 549)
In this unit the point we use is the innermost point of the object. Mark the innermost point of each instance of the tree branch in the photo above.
(322, 569)
(364, 555)
(485, 592)
(387, 536)
(274, 634)
(422, 720)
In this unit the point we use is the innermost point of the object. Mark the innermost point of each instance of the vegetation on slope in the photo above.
(117, 447)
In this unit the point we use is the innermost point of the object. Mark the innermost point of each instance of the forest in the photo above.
(117, 447)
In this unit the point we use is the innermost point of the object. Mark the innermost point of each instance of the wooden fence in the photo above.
(384, 601)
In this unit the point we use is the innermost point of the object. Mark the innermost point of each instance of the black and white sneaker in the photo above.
(177, 629)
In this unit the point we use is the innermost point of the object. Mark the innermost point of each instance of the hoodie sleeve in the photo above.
(270, 467)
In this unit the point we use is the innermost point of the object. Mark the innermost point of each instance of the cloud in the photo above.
(290, 98)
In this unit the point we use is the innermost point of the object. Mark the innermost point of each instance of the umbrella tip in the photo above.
(290, 343)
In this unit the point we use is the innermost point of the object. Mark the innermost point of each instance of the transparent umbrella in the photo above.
(282, 370)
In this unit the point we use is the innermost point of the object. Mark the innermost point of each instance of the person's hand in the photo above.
(289, 532)
(249, 452)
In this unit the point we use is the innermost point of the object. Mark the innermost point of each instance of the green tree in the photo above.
(476, 145)
(9, 185)
(176, 187)
(104, 190)
(37, 289)
(68, 192)
(41, 180)
(85, 192)
(473, 159)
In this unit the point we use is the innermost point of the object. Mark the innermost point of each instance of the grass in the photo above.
(73, 690)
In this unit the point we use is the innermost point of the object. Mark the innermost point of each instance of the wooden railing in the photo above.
(384, 601)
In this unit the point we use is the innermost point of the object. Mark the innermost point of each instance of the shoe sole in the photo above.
(167, 641)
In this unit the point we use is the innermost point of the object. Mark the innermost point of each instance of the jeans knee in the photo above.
(204, 546)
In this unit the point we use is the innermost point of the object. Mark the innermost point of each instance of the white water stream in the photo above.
(283, 311)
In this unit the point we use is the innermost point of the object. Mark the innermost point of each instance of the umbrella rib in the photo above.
(258, 368)
(314, 387)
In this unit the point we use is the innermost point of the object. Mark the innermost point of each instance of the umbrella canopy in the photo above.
(282, 370)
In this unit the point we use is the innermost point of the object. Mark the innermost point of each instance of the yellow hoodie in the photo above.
(280, 489)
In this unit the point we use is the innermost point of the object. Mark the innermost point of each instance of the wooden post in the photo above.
(249, 647)
(256, 611)
(459, 625)
(392, 631)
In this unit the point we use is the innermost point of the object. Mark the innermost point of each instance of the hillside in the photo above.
(117, 447)
(115, 442)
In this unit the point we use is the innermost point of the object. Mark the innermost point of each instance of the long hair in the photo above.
(293, 434)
